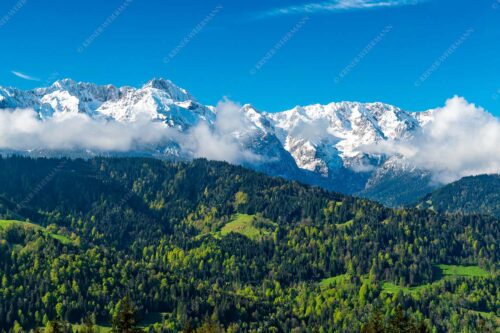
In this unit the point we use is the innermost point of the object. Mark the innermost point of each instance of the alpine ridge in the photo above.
(316, 144)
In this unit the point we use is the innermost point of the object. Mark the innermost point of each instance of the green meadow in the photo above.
(447, 272)
(248, 226)
(5, 224)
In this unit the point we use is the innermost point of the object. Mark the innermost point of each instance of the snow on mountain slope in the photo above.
(317, 135)
(12, 98)
(68, 96)
(263, 141)
(158, 100)
(318, 144)
(424, 117)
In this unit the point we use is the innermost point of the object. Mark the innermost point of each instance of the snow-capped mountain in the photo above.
(158, 100)
(323, 138)
(318, 144)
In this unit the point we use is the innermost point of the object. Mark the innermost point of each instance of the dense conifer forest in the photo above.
(131, 245)
(469, 195)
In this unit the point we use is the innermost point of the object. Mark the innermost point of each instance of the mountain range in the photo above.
(323, 145)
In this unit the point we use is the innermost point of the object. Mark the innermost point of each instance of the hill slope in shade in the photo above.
(469, 195)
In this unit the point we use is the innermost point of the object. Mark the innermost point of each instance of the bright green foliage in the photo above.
(333, 280)
(446, 272)
(6, 225)
(153, 230)
(88, 326)
(251, 226)
(57, 326)
(455, 270)
(345, 225)
(240, 198)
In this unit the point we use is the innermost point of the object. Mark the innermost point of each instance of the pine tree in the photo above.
(124, 318)
(376, 324)
(400, 323)
(55, 326)
(210, 326)
(422, 327)
(88, 326)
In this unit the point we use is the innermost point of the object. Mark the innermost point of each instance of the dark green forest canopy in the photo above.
(101, 229)
(469, 195)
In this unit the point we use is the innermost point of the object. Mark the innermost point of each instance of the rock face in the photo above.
(316, 144)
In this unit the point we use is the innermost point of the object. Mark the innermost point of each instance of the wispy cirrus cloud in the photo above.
(25, 76)
(339, 5)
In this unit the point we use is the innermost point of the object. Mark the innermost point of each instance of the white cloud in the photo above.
(314, 131)
(340, 5)
(229, 117)
(220, 142)
(25, 76)
(462, 140)
(23, 130)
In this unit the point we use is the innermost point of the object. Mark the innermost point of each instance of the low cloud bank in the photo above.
(462, 140)
(22, 130)
(220, 141)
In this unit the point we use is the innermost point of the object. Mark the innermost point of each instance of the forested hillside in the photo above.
(469, 195)
(209, 247)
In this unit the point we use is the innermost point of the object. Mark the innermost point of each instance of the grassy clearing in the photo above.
(248, 226)
(4, 224)
(241, 224)
(473, 271)
(325, 283)
(447, 271)
(345, 225)
(328, 282)
(391, 288)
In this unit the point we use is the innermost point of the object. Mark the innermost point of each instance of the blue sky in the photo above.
(274, 54)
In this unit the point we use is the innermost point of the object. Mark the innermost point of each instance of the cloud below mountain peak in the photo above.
(461, 140)
(23, 130)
